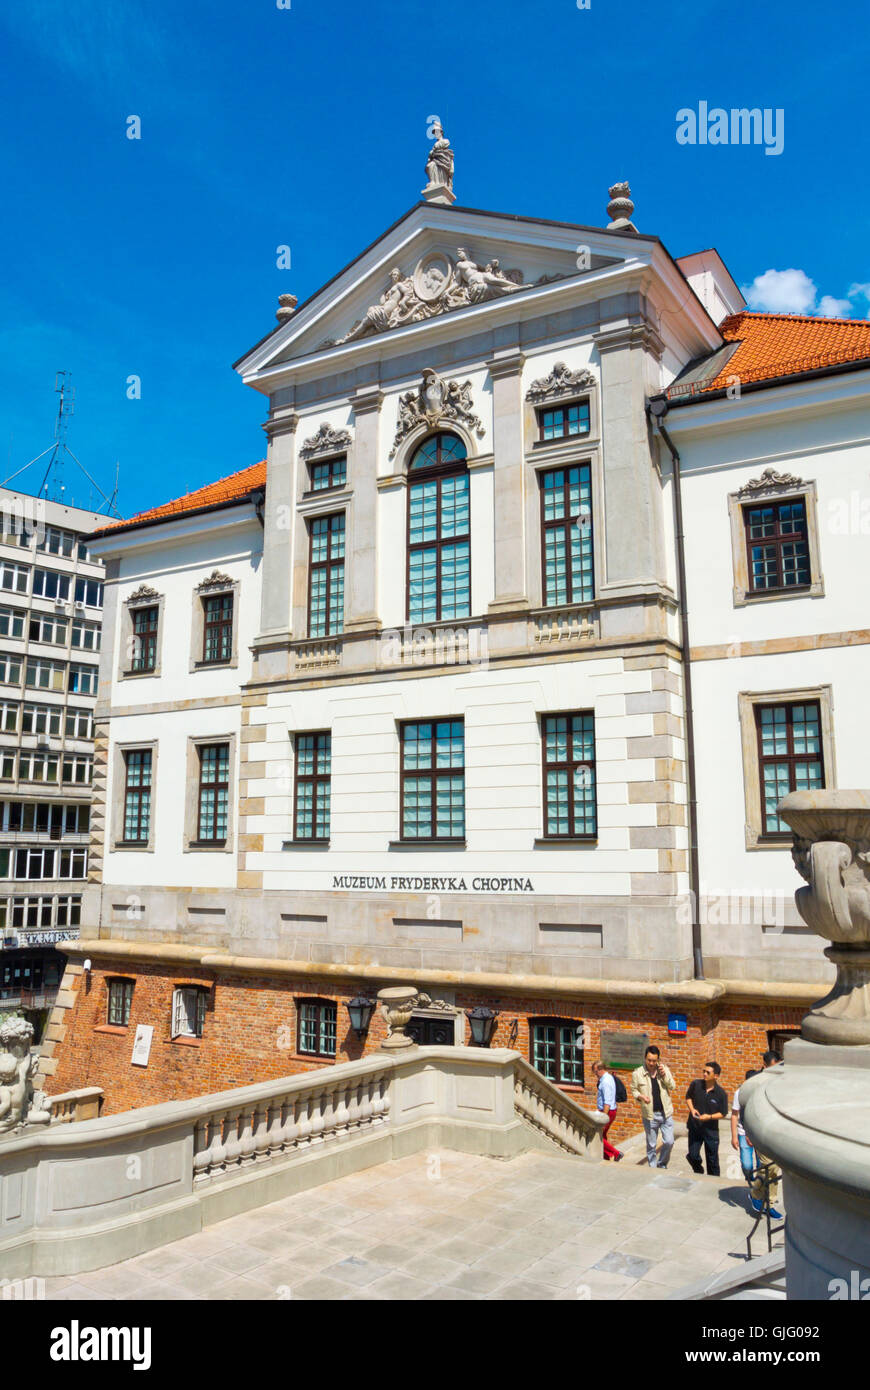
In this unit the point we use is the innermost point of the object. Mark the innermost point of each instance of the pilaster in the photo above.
(275, 610)
(511, 590)
(361, 575)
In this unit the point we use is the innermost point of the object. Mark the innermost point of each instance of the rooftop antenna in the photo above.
(59, 448)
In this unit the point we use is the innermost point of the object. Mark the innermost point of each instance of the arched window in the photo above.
(439, 540)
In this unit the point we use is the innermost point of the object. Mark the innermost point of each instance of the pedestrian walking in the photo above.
(739, 1140)
(651, 1086)
(708, 1104)
(607, 1103)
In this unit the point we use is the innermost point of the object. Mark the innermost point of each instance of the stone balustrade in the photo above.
(73, 1106)
(555, 1115)
(77, 1196)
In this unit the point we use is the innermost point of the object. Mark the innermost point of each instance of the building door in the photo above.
(432, 1031)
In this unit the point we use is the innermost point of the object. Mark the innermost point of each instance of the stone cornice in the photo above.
(280, 424)
(630, 335)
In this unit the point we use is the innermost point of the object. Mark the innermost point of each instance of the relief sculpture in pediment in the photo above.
(437, 285)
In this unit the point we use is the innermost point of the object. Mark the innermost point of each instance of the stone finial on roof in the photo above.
(620, 208)
(286, 306)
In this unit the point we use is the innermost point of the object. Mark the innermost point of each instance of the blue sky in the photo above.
(306, 126)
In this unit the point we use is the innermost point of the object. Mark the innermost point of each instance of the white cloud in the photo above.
(858, 291)
(793, 292)
(831, 308)
(781, 292)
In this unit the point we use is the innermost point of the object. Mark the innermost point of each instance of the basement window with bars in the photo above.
(188, 1011)
(317, 1028)
(556, 1049)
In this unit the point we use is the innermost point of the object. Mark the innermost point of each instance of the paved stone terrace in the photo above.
(452, 1226)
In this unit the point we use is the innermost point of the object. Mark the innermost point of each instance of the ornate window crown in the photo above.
(770, 482)
(215, 580)
(326, 441)
(561, 383)
(144, 594)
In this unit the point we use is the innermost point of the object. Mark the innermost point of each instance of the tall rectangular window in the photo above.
(566, 529)
(564, 421)
(439, 548)
(777, 546)
(317, 1027)
(120, 1001)
(326, 576)
(555, 1052)
(144, 657)
(789, 756)
(214, 792)
(433, 780)
(569, 776)
(137, 796)
(188, 1012)
(313, 772)
(217, 644)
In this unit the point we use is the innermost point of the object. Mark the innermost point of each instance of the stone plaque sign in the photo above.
(623, 1051)
(142, 1045)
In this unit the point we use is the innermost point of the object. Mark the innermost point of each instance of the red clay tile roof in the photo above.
(234, 488)
(778, 345)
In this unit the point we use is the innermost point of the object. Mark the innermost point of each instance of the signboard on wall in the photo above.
(623, 1051)
(142, 1045)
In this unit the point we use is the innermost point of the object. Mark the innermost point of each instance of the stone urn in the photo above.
(831, 850)
(397, 1005)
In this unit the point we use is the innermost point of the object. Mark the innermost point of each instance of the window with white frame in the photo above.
(83, 679)
(13, 577)
(10, 668)
(41, 719)
(37, 767)
(79, 723)
(77, 769)
(9, 714)
(86, 635)
(11, 622)
(89, 592)
(42, 674)
(45, 627)
(73, 863)
(68, 910)
(50, 584)
(188, 1011)
(56, 541)
(7, 765)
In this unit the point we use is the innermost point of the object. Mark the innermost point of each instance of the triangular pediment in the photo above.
(438, 261)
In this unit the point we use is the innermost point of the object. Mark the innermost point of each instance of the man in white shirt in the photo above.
(607, 1104)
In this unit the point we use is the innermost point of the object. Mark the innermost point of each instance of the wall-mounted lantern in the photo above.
(482, 1021)
(360, 1010)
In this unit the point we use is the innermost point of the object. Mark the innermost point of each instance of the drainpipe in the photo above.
(657, 409)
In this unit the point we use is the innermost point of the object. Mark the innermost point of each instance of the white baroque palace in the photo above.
(410, 701)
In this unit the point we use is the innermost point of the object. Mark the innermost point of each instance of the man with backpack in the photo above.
(610, 1092)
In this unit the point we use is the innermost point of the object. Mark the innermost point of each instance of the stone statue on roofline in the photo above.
(439, 170)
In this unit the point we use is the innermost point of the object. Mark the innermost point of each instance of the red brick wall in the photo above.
(250, 1035)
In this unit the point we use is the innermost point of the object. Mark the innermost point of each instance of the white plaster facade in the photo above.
(613, 908)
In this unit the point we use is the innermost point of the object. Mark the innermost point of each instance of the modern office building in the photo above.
(51, 597)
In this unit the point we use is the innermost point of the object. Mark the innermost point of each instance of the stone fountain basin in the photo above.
(828, 815)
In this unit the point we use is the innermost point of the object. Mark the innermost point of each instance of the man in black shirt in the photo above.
(708, 1104)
